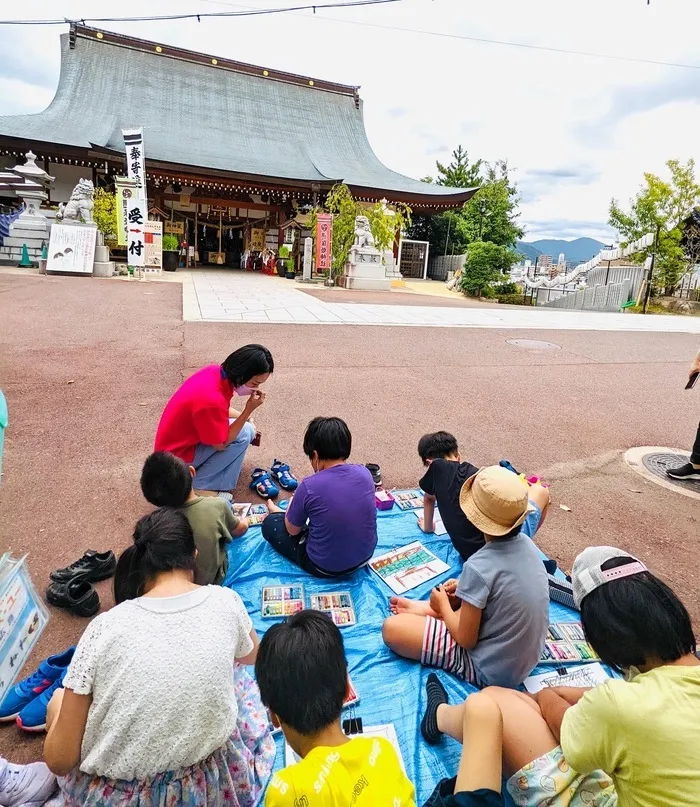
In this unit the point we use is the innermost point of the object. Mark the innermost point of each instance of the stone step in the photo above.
(10, 241)
(16, 252)
(103, 269)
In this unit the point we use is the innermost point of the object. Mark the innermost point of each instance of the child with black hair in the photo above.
(442, 485)
(166, 481)
(155, 709)
(330, 526)
(303, 678)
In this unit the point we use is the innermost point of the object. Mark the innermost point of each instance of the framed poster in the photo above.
(71, 249)
(153, 235)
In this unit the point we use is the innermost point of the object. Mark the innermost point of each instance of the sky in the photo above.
(575, 129)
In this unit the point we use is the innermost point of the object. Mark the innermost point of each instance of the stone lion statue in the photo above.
(363, 235)
(80, 204)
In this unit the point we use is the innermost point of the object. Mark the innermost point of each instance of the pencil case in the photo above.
(561, 591)
(384, 500)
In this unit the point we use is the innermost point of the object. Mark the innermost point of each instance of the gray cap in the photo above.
(587, 574)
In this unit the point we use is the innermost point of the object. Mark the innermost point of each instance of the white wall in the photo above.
(67, 177)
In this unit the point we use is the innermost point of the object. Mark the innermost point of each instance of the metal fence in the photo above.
(440, 265)
(596, 298)
(689, 288)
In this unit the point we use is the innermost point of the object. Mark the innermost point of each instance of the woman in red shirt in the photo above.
(199, 426)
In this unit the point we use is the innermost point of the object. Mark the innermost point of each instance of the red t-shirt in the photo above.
(197, 413)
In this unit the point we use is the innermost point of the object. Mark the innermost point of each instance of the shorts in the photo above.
(549, 780)
(441, 650)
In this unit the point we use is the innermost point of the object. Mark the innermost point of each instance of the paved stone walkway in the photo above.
(231, 296)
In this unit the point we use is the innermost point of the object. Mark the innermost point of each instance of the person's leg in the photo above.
(695, 456)
(219, 470)
(526, 735)
(480, 766)
(540, 497)
(274, 531)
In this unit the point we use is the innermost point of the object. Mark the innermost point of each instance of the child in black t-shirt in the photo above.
(442, 483)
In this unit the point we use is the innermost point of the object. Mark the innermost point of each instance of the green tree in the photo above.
(386, 221)
(492, 213)
(105, 214)
(459, 173)
(342, 205)
(486, 263)
(661, 206)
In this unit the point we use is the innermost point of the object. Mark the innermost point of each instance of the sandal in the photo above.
(280, 471)
(263, 485)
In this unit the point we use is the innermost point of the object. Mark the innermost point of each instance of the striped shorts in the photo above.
(441, 650)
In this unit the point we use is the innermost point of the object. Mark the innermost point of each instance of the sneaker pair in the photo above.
(25, 785)
(262, 481)
(72, 588)
(26, 702)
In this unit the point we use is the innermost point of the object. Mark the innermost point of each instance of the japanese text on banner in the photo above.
(324, 240)
(136, 215)
(135, 157)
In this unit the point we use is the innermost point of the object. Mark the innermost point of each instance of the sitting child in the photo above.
(330, 526)
(497, 632)
(302, 673)
(166, 481)
(442, 485)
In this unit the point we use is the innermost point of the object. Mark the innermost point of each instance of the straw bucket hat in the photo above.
(495, 500)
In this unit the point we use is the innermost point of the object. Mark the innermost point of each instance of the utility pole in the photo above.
(647, 292)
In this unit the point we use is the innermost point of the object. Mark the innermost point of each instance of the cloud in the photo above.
(576, 129)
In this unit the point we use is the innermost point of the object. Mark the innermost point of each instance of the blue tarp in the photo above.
(391, 689)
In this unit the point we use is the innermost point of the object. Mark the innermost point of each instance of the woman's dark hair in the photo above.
(636, 619)
(247, 362)
(330, 438)
(166, 480)
(163, 541)
(437, 446)
(302, 672)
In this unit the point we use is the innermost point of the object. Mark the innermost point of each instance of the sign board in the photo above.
(175, 227)
(135, 158)
(153, 234)
(23, 617)
(257, 239)
(308, 258)
(72, 249)
(136, 217)
(324, 240)
(125, 189)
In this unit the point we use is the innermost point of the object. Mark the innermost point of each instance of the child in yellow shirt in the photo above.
(303, 678)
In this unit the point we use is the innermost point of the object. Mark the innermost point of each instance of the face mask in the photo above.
(244, 390)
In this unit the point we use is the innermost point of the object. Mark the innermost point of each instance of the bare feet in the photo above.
(402, 605)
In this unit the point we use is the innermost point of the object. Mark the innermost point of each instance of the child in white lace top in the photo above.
(148, 707)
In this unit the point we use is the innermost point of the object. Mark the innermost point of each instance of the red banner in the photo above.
(324, 240)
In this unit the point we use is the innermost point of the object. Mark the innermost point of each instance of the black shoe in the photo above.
(93, 566)
(77, 595)
(376, 472)
(436, 695)
(685, 472)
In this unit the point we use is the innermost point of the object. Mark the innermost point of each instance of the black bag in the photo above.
(561, 590)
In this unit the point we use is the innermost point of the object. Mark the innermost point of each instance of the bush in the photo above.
(170, 243)
(506, 288)
(486, 263)
(514, 299)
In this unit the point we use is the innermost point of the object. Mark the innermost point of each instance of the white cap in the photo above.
(587, 574)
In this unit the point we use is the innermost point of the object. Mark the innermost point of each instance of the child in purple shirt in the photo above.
(330, 526)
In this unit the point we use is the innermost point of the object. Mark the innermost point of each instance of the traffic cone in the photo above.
(44, 251)
(25, 263)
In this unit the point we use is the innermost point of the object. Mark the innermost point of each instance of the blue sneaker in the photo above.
(33, 716)
(31, 688)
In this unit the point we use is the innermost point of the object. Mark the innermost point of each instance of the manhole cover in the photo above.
(533, 344)
(658, 463)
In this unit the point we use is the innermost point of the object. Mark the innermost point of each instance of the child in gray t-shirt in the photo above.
(488, 627)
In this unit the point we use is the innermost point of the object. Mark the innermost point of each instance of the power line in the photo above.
(169, 17)
(505, 43)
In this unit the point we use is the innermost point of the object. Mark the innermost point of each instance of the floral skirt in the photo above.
(235, 775)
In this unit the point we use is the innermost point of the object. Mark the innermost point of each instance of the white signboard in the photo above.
(154, 247)
(72, 249)
(135, 158)
(136, 218)
(308, 257)
(126, 188)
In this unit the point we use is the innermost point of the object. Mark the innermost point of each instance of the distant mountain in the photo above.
(580, 249)
(527, 250)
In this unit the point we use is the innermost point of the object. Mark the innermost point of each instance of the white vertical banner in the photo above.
(136, 217)
(135, 158)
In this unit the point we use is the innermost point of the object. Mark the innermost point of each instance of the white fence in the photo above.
(596, 298)
(601, 276)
